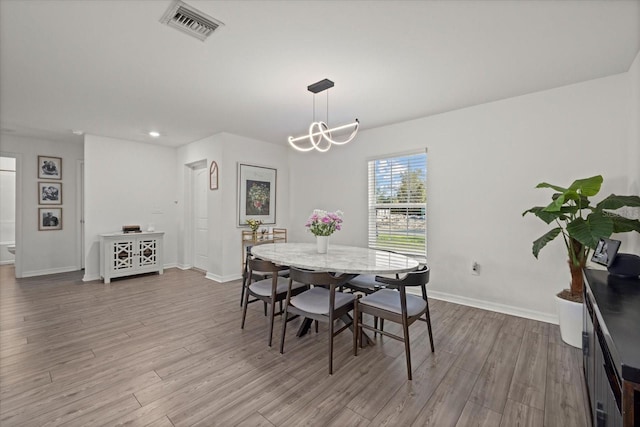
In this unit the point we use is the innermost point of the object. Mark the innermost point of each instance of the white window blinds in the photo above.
(398, 204)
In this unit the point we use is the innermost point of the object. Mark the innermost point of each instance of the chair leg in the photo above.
(244, 284)
(331, 346)
(354, 325)
(407, 347)
(244, 307)
(271, 315)
(429, 327)
(285, 316)
(265, 308)
(375, 326)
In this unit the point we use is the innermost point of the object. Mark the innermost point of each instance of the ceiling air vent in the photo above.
(190, 20)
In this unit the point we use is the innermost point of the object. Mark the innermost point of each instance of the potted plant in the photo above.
(581, 226)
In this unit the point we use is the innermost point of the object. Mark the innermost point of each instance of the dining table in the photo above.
(341, 260)
(338, 258)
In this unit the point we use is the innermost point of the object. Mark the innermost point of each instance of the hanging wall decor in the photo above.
(49, 167)
(49, 193)
(256, 194)
(213, 176)
(49, 219)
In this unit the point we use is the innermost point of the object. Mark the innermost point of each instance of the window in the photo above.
(398, 204)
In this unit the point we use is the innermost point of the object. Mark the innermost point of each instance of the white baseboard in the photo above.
(49, 271)
(7, 262)
(91, 278)
(223, 279)
(492, 306)
(184, 266)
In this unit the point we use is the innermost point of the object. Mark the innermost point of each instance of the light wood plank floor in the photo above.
(168, 351)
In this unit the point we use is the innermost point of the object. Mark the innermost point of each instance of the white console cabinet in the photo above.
(125, 254)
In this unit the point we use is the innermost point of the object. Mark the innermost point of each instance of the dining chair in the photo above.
(270, 290)
(396, 306)
(322, 303)
(256, 275)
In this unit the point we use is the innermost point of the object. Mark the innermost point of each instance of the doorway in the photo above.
(200, 215)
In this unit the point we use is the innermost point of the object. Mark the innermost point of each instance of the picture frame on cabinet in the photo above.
(49, 219)
(49, 193)
(49, 167)
(256, 194)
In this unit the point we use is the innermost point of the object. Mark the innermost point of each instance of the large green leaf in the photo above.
(590, 230)
(587, 186)
(614, 202)
(547, 217)
(555, 187)
(624, 225)
(546, 238)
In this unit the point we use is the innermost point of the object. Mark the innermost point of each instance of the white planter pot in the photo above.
(570, 316)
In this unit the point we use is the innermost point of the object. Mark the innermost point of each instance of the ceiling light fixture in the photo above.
(320, 136)
(154, 134)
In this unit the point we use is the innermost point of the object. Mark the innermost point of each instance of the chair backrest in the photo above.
(320, 278)
(256, 264)
(419, 277)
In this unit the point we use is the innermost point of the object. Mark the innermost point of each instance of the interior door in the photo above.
(200, 219)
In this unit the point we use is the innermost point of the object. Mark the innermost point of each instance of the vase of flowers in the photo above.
(323, 224)
(254, 224)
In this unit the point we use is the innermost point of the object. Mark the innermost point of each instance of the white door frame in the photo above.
(189, 228)
(80, 212)
(18, 239)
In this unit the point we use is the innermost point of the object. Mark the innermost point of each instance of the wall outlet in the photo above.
(475, 268)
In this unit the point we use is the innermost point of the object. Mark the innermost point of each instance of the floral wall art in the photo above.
(256, 194)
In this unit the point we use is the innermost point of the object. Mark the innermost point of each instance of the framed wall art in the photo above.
(49, 219)
(49, 193)
(49, 167)
(256, 194)
(213, 176)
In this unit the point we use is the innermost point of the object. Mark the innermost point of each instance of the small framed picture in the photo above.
(49, 193)
(213, 176)
(49, 167)
(49, 219)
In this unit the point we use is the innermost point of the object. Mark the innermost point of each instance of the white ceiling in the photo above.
(110, 68)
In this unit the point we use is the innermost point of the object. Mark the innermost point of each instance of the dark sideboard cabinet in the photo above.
(611, 348)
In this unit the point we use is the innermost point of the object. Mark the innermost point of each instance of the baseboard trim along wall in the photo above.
(49, 271)
(492, 306)
(223, 279)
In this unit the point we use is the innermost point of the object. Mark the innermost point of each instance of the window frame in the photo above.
(373, 206)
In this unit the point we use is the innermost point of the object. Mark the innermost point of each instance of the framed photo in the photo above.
(49, 167)
(256, 194)
(49, 193)
(213, 176)
(49, 219)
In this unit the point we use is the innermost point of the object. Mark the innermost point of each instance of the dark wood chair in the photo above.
(256, 275)
(322, 303)
(270, 290)
(396, 306)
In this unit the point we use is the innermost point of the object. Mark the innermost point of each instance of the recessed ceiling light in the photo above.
(154, 134)
(77, 132)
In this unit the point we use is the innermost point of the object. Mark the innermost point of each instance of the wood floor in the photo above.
(168, 350)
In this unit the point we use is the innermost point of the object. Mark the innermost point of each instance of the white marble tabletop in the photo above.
(338, 259)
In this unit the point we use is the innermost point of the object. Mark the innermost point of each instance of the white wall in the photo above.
(225, 251)
(126, 183)
(44, 252)
(483, 165)
(633, 240)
